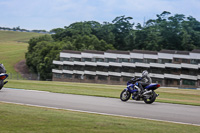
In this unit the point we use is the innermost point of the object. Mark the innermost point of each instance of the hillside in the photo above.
(13, 46)
(7, 36)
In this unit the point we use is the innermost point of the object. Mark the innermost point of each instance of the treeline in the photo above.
(173, 32)
(24, 30)
(165, 32)
(13, 29)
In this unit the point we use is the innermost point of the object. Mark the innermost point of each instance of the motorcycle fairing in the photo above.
(152, 86)
(3, 76)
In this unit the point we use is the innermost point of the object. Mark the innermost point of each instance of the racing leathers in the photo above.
(143, 82)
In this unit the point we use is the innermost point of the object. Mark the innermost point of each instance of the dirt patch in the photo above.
(22, 68)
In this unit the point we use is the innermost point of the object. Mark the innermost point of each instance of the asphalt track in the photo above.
(184, 114)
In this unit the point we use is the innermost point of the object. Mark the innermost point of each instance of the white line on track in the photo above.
(82, 111)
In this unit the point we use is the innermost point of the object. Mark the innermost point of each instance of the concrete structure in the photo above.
(167, 67)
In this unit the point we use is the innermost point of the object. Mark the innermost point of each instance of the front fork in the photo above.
(131, 90)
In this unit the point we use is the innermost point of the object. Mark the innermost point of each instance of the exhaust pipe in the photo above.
(147, 92)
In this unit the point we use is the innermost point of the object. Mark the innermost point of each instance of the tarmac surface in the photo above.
(176, 113)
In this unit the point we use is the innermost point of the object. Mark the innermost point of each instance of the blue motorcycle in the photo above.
(148, 96)
(3, 76)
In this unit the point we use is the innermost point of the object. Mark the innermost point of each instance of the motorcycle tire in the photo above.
(151, 99)
(125, 95)
(1, 84)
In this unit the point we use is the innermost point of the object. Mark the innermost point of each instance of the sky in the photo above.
(50, 14)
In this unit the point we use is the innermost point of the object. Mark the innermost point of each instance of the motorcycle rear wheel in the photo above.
(125, 95)
(151, 99)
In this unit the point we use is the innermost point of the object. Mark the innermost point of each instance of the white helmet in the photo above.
(144, 73)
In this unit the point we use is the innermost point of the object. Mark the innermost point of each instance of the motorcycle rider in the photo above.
(144, 81)
(2, 68)
(2, 75)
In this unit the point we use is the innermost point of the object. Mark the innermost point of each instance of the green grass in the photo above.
(14, 36)
(178, 96)
(26, 119)
(13, 46)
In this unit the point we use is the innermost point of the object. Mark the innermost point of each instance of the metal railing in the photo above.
(17, 76)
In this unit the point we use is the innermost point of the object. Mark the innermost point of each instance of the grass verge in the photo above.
(25, 119)
(13, 46)
(178, 96)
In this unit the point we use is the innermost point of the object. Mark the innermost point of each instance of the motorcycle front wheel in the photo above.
(151, 99)
(125, 95)
(1, 84)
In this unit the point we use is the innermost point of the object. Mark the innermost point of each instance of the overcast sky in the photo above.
(49, 14)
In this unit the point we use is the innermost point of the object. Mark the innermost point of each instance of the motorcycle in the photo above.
(3, 76)
(148, 96)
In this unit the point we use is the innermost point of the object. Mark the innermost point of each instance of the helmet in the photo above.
(144, 73)
(2, 68)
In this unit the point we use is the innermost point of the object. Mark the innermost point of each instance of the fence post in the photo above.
(10, 75)
(38, 76)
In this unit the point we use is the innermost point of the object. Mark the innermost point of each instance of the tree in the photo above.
(122, 29)
(173, 32)
(33, 41)
(106, 33)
